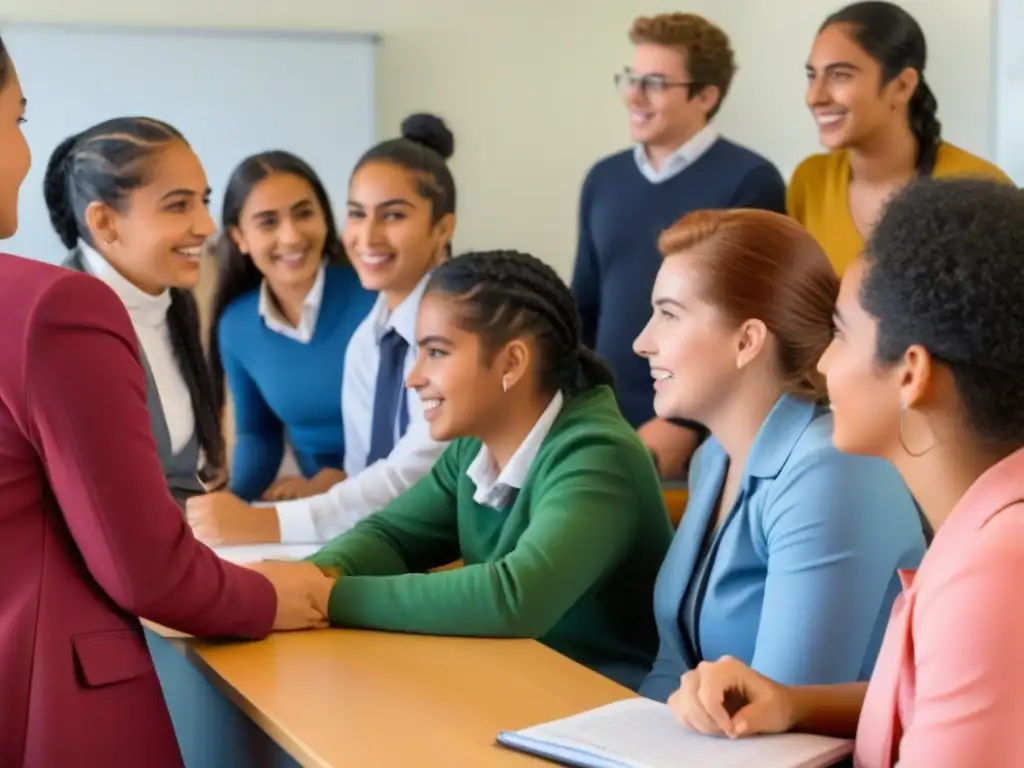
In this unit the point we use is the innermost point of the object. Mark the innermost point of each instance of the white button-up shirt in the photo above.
(368, 488)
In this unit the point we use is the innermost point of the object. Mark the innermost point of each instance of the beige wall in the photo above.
(526, 85)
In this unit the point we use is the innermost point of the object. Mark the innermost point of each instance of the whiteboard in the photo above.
(230, 93)
(1009, 88)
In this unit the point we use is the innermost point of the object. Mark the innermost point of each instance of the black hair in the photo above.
(505, 294)
(893, 38)
(236, 273)
(423, 149)
(4, 63)
(944, 271)
(106, 163)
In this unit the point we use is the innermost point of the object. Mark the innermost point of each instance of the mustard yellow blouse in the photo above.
(817, 197)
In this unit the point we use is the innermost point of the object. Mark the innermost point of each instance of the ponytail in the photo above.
(593, 371)
(924, 122)
(183, 327)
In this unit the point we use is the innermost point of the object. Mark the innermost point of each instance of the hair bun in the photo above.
(430, 131)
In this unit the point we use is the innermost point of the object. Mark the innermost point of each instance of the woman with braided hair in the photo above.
(877, 117)
(128, 198)
(545, 492)
(91, 538)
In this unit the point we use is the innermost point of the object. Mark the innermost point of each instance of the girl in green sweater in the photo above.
(545, 493)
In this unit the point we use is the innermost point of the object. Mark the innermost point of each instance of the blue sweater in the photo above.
(281, 387)
(799, 578)
(621, 216)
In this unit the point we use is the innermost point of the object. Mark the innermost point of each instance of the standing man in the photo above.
(682, 68)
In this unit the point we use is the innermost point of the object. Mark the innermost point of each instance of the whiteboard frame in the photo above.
(135, 29)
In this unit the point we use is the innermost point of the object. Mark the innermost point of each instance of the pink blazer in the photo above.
(90, 537)
(948, 688)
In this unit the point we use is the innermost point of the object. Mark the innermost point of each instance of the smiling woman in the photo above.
(286, 306)
(780, 528)
(128, 197)
(545, 492)
(878, 118)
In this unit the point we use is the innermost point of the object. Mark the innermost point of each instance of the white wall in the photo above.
(766, 106)
(526, 84)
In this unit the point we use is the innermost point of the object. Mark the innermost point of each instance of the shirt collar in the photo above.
(493, 489)
(403, 318)
(680, 159)
(275, 320)
(144, 308)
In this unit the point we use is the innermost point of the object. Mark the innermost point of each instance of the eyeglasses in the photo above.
(627, 80)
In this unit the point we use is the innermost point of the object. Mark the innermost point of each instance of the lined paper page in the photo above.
(639, 732)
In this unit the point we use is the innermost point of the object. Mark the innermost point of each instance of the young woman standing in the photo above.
(878, 118)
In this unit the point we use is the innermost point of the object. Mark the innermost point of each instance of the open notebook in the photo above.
(640, 733)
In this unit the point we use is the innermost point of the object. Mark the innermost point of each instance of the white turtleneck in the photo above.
(149, 318)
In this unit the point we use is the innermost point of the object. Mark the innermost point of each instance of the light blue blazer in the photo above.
(800, 577)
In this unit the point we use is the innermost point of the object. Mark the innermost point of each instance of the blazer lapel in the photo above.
(682, 555)
(879, 729)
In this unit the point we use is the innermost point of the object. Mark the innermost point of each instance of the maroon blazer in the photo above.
(90, 537)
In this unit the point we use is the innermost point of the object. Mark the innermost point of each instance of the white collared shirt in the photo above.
(148, 314)
(494, 489)
(678, 161)
(275, 320)
(367, 489)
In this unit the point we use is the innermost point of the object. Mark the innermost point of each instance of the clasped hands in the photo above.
(303, 593)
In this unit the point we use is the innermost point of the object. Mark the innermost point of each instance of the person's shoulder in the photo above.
(240, 317)
(590, 424)
(815, 464)
(951, 160)
(610, 167)
(344, 278)
(813, 170)
(743, 158)
(35, 292)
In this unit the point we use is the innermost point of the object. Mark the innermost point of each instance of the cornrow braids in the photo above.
(107, 163)
(505, 294)
(183, 327)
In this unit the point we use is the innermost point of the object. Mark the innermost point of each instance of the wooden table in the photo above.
(352, 698)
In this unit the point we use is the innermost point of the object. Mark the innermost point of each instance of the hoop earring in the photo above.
(903, 442)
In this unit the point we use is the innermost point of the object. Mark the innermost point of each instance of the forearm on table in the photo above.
(830, 710)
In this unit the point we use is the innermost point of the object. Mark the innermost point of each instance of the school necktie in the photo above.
(387, 397)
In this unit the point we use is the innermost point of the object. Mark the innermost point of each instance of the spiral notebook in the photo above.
(639, 733)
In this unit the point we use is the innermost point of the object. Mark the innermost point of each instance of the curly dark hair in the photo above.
(505, 294)
(709, 55)
(946, 271)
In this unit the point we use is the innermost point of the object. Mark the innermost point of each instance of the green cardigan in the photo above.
(571, 562)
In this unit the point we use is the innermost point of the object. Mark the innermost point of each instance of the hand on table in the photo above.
(303, 593)
(728, 697)
(294, 487)
(671, 445)
(219, 519)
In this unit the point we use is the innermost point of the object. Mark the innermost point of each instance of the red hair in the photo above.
(763, 265)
